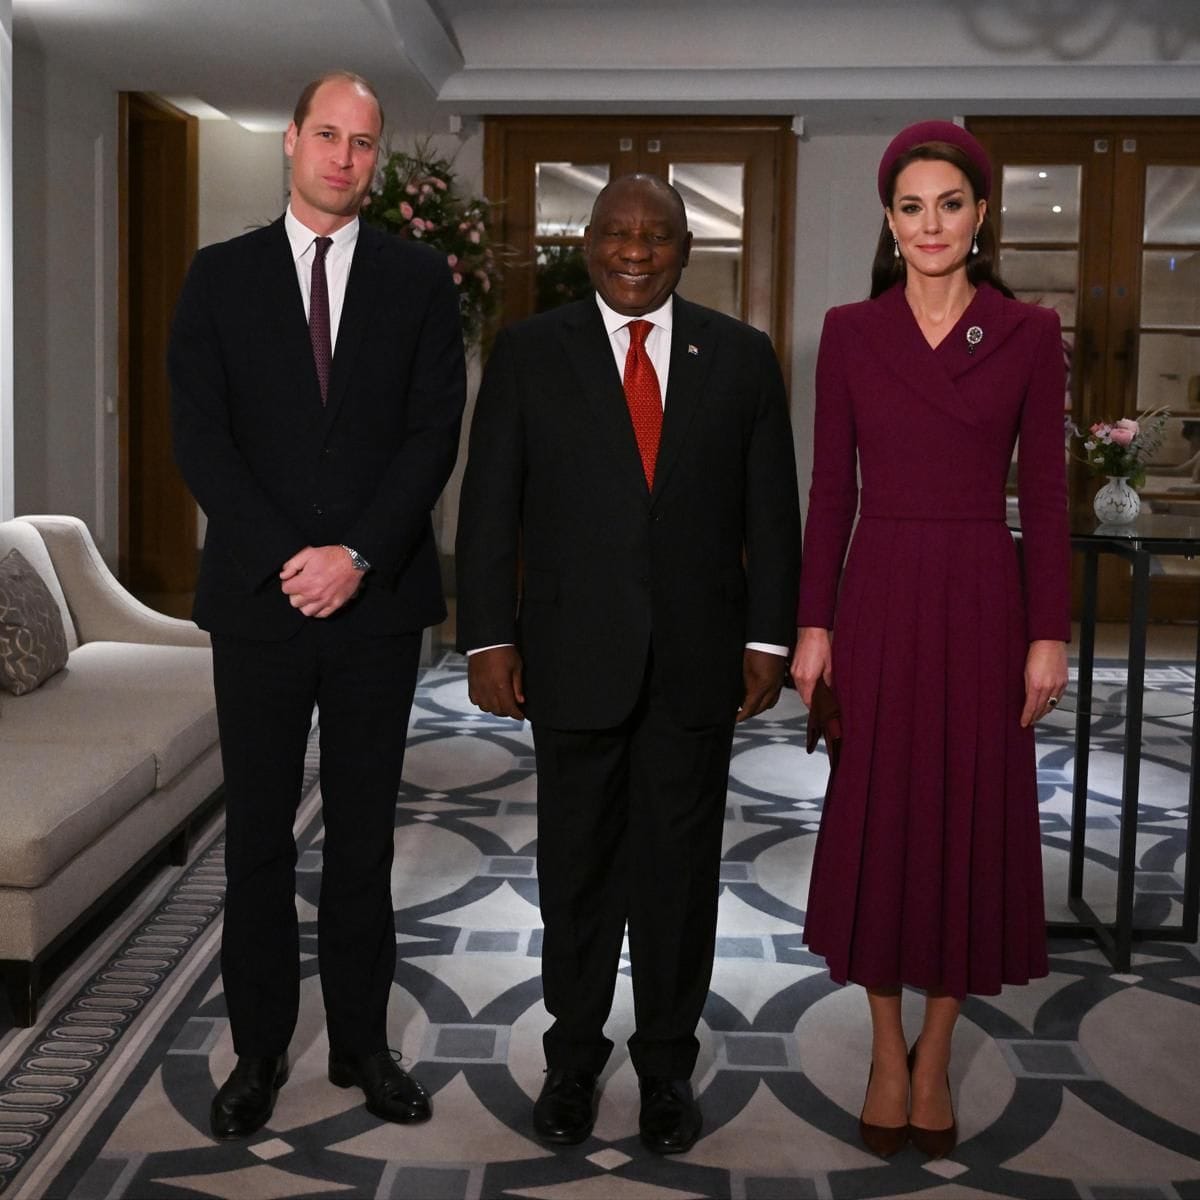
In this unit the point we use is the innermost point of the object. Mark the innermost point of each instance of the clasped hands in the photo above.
(495, 681)
(1045, 671)
(319, 580)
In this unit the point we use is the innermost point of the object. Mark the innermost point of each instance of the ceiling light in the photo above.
(1056, 208)
(1041, 174)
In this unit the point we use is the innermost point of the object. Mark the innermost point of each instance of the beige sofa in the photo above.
(105, 765)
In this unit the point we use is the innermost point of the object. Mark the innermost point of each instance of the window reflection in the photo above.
(1040, 203)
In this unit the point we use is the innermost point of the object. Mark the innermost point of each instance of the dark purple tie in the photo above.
(318, 316)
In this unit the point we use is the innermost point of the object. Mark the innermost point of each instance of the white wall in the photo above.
(837, 224)
(243, 179)
(6, 243)
(65, 313)
(242, 184)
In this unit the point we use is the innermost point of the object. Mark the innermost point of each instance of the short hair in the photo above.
(310, 90)
(657, 182)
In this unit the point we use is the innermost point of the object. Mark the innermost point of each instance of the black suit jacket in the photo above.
(276, 471)
(705, 563)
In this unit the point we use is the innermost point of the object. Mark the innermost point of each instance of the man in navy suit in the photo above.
(317, 390)
(632, 453)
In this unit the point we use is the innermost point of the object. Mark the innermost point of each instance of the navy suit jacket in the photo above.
(275, 470)
(707, 561)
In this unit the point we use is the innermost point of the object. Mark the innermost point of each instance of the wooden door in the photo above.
(159, 231)
(736, 177)
(1100, 218)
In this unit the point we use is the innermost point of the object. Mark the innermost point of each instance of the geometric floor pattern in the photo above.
(1083, 1085)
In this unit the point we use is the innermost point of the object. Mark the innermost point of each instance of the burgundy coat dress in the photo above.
(928, 869)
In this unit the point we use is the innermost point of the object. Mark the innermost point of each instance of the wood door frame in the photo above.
(499, 130)
(127, 104)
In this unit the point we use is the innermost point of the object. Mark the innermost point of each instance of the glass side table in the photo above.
(1151, 535)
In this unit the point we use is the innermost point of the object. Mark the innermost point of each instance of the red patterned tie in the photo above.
(643, 396)
(318, 316)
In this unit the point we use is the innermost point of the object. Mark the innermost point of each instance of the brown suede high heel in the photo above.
(883, 1140)
(936, 1143)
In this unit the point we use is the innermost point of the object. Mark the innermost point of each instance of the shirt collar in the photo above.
(301, 237)
(661, 316)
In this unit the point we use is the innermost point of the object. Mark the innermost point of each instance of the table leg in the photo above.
(1083, 724)
(1191, 875)
(1131, 782)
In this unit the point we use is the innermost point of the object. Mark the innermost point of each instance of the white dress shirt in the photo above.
(658, 348)
(337, 264)
(658, 340)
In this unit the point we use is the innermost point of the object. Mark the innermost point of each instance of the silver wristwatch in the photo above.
(356, 560)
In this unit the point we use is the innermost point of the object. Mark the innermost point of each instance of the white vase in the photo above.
(1116, 503)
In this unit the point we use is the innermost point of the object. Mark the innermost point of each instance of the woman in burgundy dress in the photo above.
(944, 651)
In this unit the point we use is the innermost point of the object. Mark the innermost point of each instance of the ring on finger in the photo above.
(1052, 702)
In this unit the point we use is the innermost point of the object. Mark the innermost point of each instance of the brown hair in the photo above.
(310, 90)
(887, 269)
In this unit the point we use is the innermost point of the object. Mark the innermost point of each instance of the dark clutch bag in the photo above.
(825, 719)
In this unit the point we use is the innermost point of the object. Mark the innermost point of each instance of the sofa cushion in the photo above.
(33, 642)
(55, 800)
(21, 535)
(156, 700)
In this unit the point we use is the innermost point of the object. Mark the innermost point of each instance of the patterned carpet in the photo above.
(1083, 1085)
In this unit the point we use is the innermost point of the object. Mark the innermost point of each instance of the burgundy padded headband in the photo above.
(934, 131)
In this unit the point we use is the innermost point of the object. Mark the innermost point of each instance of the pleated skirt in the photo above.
(927, 870)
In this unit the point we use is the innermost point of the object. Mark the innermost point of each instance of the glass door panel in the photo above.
(564, 193)
(1040, 232)
(1041, 203)
(1049, 277)
(1168, 326)
(714, 195)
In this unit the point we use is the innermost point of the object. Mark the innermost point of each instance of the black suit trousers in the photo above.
(363, 688)
(629, 832)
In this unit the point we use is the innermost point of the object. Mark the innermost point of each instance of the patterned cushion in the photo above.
(33, 643)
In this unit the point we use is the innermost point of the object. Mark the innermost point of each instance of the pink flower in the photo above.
(457, 278)
(406, 210)
(425, 189)
(452, 259)
(474, 236)
(411, 189)
(440, 184)
(1123, 432)
(419, 225)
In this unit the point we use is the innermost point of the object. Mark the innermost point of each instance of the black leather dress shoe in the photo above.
(566, 1110)
(392, 1094)
(245, 1101)
(670, 1118)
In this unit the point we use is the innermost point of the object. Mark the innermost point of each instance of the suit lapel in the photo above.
(993, 318)
(691, 361)
(891, 330)
(590, 353)
(362, 291)
(283, 308)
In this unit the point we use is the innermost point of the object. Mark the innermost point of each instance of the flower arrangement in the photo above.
(562, 276)
(1122, 448)
(416, 196)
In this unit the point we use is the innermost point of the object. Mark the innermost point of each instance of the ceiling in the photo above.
(851, 66)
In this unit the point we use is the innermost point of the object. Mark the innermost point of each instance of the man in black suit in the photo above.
(658, 552)
(317, 388)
